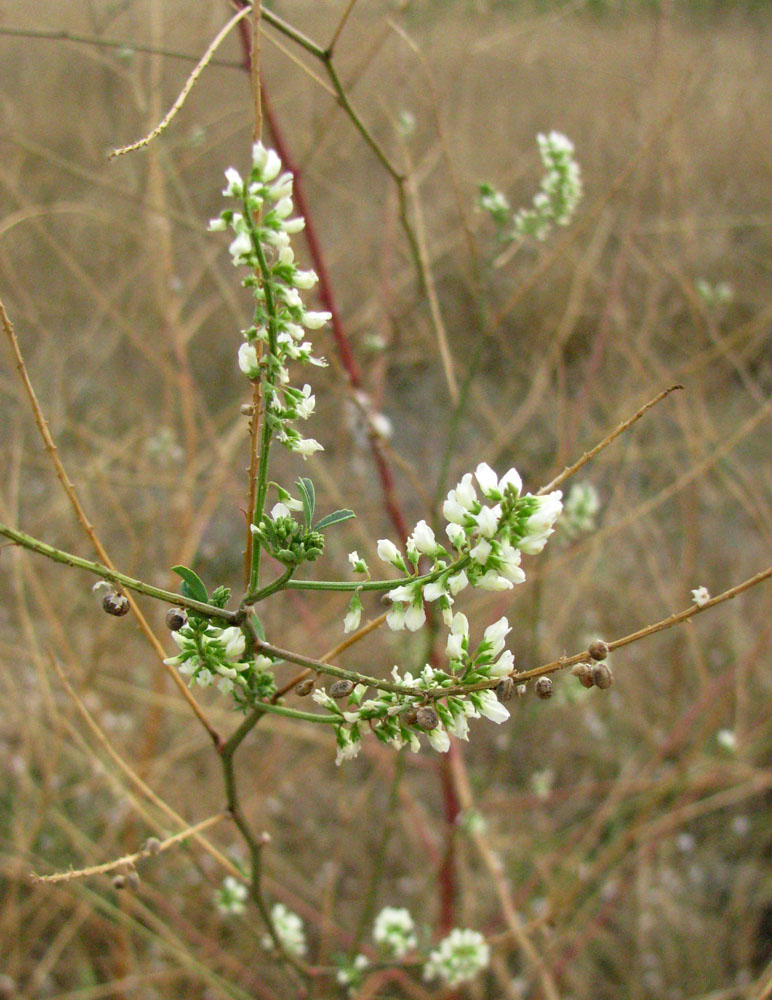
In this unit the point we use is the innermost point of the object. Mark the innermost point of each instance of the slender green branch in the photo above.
(68, 559)
(297, 36)
(280, 583)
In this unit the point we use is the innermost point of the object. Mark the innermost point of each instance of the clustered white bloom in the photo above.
(561, 189)
(580, 509)
(394, 931)
(487, 537)
(262, 228)
(700, 596)
(458, 957)
(230, 897)
(289, 930)
(211, 654)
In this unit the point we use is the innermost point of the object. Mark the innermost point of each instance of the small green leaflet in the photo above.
(334, 518)
(192, 585)
(306, 488)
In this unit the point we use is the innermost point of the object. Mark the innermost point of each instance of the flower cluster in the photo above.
(580, 510)
(487, 538)
(394, 931)
(561, 189)
(289, 930)
(419, 705)
(262, 226)
(554, 204)
(458, 957)
(210, 654)
(231, 896)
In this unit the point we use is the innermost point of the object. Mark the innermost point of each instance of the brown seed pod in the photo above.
(247, 409)
(132, 879)
(598, 650)
(410, 716)
(505, 689)
(175, 619)
(602, 676)
(521, 690)
(543, 688)
(426, 718)
(152, 846)
(119, 882)
(305, 687)
(341, 689)
(115, 604)
(583, 673)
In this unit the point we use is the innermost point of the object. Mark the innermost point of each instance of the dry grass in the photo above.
(633, 846)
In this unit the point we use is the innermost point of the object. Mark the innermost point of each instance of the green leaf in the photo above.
(192, 585)
(258, 627)
(306, 487)
(334, 518)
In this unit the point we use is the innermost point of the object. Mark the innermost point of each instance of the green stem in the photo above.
(68, 559)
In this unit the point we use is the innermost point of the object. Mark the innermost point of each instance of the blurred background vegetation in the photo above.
(629, 829)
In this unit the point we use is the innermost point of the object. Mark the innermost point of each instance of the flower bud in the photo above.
(115, 604)
(426, 718)
(583, 673)
(598, 650)
(175, 619)
(602, 677)
(305, 687)
(543, 688)
(341, 689)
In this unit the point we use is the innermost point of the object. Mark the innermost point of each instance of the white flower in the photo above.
(306, 447)
(492, 581)
(218, 225)
(457, 582)
(305, 407)
(394, 931)
(509, 563)
(488, 480)
(490, 706)
(315, 320)
(289, 930)
(488, 520)
(279, 510)
(415, 616)
(234, 640)
(241, 247)
(481, 551)
(349, 749)
(395, 619)
(453, 511)
(458, 957)
(510, 478)
(248, 360)
(357, 564)
(727, 740)
(435, 590)
(230, 897)
(503, 666)
(700, 596)
(235, 185)
(495, 634)
(281, 188)
(459, 633)
(304, 279)
(439, 739)
(459, 727)
(465, 493)
(352, 619)
(401, 593)
(388, 552)
(423, 539)
(456, 534)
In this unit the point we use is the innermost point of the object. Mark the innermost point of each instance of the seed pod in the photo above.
(602, 677)
(247, 409)
(543, 688)
(583, 673)
(341, 689)
(175, 619)
(305, 687)
(505, 689)
(115, 604)
(521, 690)
(119, 882)
(426, 718)
(410, 716)
(132, 879)
(598, 650)
(152, 846)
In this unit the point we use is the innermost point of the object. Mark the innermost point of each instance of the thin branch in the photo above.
(589, 455)
(84, 522)
(189, 84)
(130, 860)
